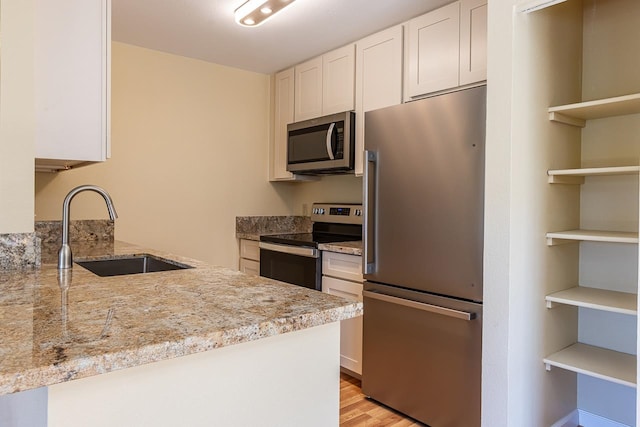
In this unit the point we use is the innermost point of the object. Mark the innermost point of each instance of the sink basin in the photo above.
(133, 264)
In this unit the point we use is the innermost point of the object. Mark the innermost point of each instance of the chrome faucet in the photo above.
(65, 258)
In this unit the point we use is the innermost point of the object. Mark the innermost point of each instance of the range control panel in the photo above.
(338, 213)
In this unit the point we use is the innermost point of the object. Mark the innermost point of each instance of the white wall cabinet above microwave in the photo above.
(284, 87)
(72, 82)
(378, 79)
(325, 85)
(446, 48)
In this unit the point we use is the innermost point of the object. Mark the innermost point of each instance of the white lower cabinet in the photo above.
(342, 276)
(249, 257)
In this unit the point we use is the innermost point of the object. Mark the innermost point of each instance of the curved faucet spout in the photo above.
(65, 258)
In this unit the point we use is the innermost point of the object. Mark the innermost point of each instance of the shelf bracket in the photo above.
(567, 120)
(550, 304)
(554, 241)
(571, 180)
(547, 366)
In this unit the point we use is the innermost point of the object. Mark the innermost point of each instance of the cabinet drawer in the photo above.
(343, 266)
(250, 267)
(249, 249)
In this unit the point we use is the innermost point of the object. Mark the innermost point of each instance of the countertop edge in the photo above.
(47, 374)
(96, 365)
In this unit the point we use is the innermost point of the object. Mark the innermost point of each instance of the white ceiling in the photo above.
(205, 29)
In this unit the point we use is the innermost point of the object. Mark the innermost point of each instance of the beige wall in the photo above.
(189, 154)
(338, 189)
(16, 117)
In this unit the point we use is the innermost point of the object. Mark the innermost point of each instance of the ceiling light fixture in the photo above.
(255, 12)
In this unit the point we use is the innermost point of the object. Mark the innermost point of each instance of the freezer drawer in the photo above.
(422, 355)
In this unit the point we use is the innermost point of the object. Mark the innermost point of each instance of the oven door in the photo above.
(292, 264)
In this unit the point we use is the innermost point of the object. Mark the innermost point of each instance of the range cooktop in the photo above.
(331, 223)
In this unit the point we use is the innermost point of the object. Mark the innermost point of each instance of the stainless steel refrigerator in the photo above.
(424, 205)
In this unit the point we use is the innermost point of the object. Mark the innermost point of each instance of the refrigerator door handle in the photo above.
(369, 201)
(464, 315)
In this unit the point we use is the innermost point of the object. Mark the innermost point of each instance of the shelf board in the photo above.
(609, 365)
(577, 114)
(599, 299)
(576, 176)
(560, 237)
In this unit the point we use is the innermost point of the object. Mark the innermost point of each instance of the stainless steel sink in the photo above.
(133, 264)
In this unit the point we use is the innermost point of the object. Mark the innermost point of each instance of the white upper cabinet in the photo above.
(284, 88)
(308, 93)
(378, 79)
(473, 41)
(434, 50)
(325, 85)
(338, 80)
(72, 79)
(283, 115)
(446, 48)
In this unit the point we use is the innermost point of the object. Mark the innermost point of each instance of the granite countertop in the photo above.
(351, 248)
(252, 227)
(55, 329)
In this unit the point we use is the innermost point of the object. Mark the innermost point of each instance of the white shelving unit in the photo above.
(597, 299)
(594, 361)
(561, 237)
(609, 365)
(577, 114)
(576, 176)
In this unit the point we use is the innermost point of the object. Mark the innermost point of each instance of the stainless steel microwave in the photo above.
(324, 145)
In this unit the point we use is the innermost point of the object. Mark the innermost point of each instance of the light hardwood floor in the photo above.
(356, 410)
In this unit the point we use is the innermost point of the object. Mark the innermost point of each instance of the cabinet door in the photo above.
(378, 79)
(338, 75)
(72, 48)
(473, 41)
(308, 93)
(250, 267)
(283, 115)
(350, 329)
(249, 249)
(434, 51)
(342, 266)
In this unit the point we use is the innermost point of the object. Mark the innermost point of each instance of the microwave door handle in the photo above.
(329, 138)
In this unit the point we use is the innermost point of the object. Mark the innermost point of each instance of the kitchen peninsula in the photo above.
(199, 346)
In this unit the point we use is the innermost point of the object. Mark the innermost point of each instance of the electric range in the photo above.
(294, 258)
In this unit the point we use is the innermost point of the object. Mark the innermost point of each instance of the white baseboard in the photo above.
(588, 419)
(569, 420)
(580, 418)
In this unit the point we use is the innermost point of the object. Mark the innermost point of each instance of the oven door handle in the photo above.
(291, 250)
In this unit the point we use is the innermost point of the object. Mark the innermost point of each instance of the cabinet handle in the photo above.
(329, 136)
(369, 223)
(421, 306)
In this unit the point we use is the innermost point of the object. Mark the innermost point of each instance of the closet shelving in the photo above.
(595, 298)
(577, 114)
(597, 362)
(606, 364)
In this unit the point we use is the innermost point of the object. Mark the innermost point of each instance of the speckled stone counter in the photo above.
(350, 248)
(252, 227)
(55, 329)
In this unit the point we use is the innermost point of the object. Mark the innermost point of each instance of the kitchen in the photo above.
(154, 112)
